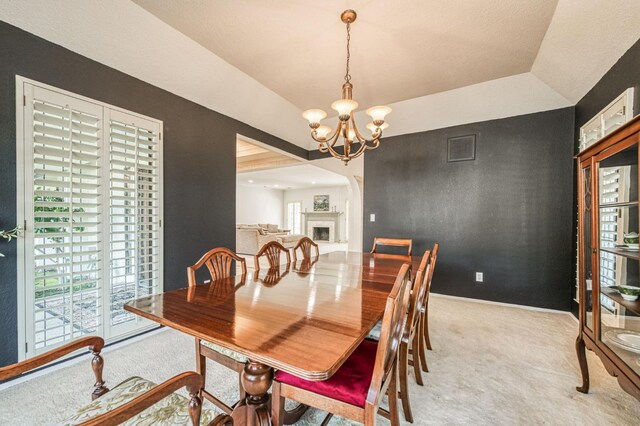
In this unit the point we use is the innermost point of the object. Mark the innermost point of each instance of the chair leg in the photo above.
(418, 353)
(423, 358)
(277, 405)
(201, 364)
(404, 382)
(426, 329)
(394, 416)
(419, 344)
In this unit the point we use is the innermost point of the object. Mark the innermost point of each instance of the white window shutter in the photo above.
(134, 211)
(66, 219)
(92, 206)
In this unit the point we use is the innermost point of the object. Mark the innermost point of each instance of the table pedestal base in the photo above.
(255, 410)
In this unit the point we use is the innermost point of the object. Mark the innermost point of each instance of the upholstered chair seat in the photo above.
(172, 410)
(349, 384)
(224, 351)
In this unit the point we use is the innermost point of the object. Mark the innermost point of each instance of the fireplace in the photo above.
(316, 225)
(321, 233)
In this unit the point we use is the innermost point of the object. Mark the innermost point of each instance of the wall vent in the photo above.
(461, 148)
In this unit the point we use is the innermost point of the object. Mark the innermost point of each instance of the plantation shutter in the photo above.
(92, 210)
(65, 219)
(613, 221)
(134, 204)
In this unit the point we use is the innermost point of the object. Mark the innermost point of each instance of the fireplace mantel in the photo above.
(325, 219)
(322, 214)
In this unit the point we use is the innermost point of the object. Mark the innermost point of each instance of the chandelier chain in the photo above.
(347, 76)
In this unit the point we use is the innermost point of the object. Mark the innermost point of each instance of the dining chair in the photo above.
(356, 390)
(305, 244)
(425, 305)
(412, 340)
(393, 242)
(272, 251)
(218, 262)
(135, 400)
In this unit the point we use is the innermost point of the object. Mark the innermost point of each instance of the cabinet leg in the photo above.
(584, 367)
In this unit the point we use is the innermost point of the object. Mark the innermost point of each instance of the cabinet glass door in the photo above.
(618, 259)
(587, 259)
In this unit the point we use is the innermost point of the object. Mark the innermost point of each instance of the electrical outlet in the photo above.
(372, 217)
(479, 277)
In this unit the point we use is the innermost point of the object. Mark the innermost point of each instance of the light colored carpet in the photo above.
(490, 365)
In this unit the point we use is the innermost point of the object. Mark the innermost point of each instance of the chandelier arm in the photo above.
(363, 147)
(356, 131)
(336, 135)
(336, 131)
(375, 142)
(314, 134)
(363, 140)
(334, 153)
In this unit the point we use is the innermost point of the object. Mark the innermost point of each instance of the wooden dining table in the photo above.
(305, 319)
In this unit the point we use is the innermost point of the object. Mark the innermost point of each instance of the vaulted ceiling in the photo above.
(438, 63)
(399, 49)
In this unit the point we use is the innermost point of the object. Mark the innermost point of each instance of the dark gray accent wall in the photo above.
(507, 214)
(199, 158)
(623, 74)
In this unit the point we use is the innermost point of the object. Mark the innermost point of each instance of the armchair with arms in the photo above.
(134, 401)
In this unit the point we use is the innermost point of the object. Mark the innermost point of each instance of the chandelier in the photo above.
(354, 143)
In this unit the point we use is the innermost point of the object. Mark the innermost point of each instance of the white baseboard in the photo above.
(510, 305)
(81, 358)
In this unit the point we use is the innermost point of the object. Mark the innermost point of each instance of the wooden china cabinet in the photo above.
(607, 210)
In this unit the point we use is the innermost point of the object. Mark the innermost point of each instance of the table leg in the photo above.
(255, 410)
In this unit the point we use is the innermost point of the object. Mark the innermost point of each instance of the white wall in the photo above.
(338, 195)
(259, 205)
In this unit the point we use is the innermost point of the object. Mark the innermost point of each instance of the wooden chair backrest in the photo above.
(432, 267)
(218, 262)
(305, 244)
(418, 291)
(271, 251)
(395, 242)
(393, 325)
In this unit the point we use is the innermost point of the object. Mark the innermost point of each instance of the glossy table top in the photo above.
(306, 320)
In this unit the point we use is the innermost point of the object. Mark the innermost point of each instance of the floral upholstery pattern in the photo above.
(172, 410)
(226, 352)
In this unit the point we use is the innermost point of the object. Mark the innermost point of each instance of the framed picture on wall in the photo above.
(321, 203)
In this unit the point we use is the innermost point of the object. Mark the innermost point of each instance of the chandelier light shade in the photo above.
(354, 144)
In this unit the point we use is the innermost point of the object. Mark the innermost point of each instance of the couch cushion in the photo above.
(172, 410)
(349, 384)
(272, 228)
(262, 231)
(226, 352)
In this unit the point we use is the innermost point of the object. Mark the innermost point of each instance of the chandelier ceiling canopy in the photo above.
(354, 143)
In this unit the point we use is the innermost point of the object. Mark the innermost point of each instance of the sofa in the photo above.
(250, 238)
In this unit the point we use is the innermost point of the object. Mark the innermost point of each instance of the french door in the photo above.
(90, 196)
(294, 217)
